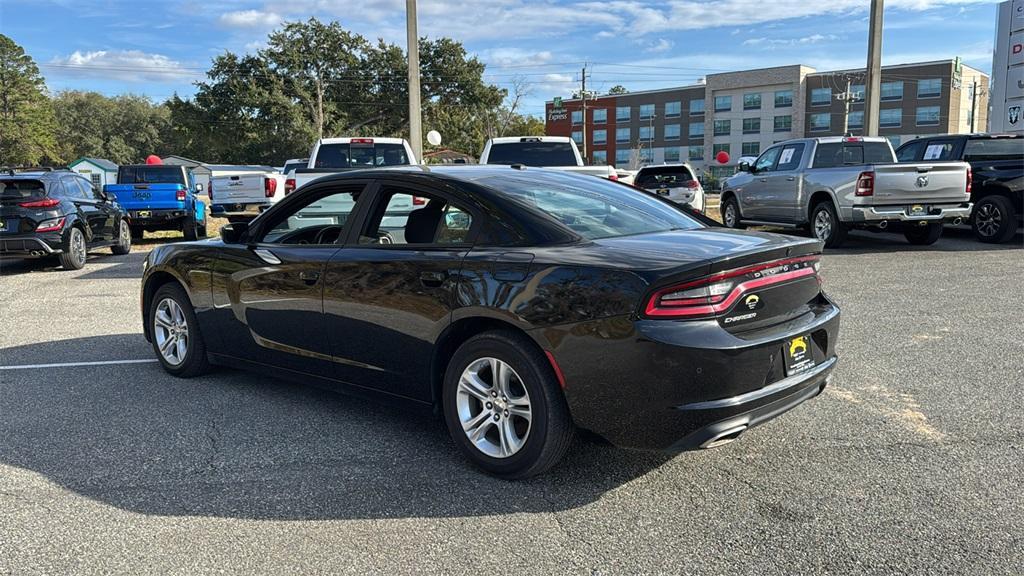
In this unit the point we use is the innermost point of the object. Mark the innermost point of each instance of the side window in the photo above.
(910, 152)
(90, 190)
(319, 220)
(404, 217)
(790, 157)
(74, 190)
(767, 160)
(939, 150)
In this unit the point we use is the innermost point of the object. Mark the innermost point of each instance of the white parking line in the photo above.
(73, 364)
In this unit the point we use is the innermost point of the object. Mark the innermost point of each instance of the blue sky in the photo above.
(161, 47)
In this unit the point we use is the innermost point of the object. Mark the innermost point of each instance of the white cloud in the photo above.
(126, 65)
(501, 57)
(662, 45)
(805, 40)
(250, 19)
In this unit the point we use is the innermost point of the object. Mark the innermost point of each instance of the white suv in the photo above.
(676, 182)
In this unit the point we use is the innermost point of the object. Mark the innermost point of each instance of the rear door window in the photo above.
(836, 154)
(994, 149)
(409, 217)
(74, 190)
(939, 150)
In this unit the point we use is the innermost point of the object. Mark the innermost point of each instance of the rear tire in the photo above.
(731, 213)
(994, 220)
(137, 232)
(190, 228)
(124, 239)
(506, 444)
(172, 321)
(922, 235)
(825, 225)
(201, 231)
(74, 250)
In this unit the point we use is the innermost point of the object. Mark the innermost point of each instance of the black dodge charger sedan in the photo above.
(520, 303)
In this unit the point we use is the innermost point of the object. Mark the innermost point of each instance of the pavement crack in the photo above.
(569, 535)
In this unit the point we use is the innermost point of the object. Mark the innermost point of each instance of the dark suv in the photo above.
(59, 214)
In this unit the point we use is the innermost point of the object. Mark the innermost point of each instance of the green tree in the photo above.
(123, 128)
(618, 89)
(26, 118)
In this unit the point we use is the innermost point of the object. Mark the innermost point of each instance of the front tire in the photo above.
(731, 213)
(825, 225)
(124, 239)
(176, 337)
(994, 220)
(504, 407)
(73, 255)
(137, 232)
(923, 235)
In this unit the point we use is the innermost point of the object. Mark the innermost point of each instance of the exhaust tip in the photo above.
(724, 437)
(958, 221)
(883, 224)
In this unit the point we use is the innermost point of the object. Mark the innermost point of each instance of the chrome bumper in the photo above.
(878, 213)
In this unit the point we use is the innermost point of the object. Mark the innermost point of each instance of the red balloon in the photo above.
(153, 159)
(722, 157)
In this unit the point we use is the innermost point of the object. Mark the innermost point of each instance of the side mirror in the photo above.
(232, 233)
(745, 167)
(199, 188)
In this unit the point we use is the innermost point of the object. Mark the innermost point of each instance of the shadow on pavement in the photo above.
(240, 445)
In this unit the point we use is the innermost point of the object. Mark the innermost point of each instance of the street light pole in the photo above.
(873, 83)
(415, 111)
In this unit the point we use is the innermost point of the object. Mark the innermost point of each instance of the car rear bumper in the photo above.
(936, 212)
(29, 246)
(238, 208)
(158, 217)
(675, 385)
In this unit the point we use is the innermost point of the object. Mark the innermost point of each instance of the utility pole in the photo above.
(415, 111)
(583, 96)
(974, 101)
(873, 83)
(847, 98)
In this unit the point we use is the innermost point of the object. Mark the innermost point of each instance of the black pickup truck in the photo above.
(997, 182)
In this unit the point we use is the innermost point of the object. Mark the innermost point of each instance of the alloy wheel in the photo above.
(822, 225)
(78, 245)
(125, 235)
(988, 219)
(171, 331)
(730, 215)
(494, 407)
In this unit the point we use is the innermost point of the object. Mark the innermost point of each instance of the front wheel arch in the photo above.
(153, 283)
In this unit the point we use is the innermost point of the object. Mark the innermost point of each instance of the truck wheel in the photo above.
(73, 255)
(922, 235)
(731, 213)
(124, 239)
(825, 225)
(137, 233)
(202, 230)
(993, 220)
(190, 229)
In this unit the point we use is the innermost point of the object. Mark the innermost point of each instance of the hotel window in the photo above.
(671, 131)
(646, 155)
(720, 148)
(697, 130)
(821, 122)
(600, 136)
(890, 118)
(600, 157)
(646, 133)
(673, 109)
(695, 152)
(600, 116)
(895, 141)
(856, 119)
(927, 115)
(622, 156)
(858, 92)
(696, 106)
(751, 148)
(646, 111)
(577, 116)
(783, 98)
(577, 136)
(751, 125)
(723, 127)
(821, 96)
(723, 103)
(622, 134)
(672, 154)
(892, 91)
(931, 88)
(783, 123)
(623, 113)
(752, 101)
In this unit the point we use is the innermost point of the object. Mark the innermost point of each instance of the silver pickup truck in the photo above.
(834, 184)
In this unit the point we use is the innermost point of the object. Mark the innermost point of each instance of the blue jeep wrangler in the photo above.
(160, 197)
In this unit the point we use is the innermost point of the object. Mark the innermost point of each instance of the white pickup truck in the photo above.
(244, 195)
(554, 152)
(333, 155)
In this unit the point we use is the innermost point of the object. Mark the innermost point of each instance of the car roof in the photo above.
(514, 139)
(673, 165)
(347, 139)
(37, 174)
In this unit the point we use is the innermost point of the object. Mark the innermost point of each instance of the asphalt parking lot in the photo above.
(911, 462)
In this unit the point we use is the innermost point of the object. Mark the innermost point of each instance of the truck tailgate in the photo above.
(147, 196)
(920, 183)
(239, 189)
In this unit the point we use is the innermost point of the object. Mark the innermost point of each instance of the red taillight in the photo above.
(270, 187)
(692, 184)
(44, 203)
(289, 186)
(361, 141)
(180, 195)
(969, 177)
(853, 139)
(209, 190)
(715, 294)
(866, 184)
(418, 201)
(50, 225)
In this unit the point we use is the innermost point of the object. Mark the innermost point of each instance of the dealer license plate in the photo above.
(917, 210)
(798, 355)
(143, 214)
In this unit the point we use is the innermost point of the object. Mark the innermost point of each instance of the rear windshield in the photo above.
(994, 149)
(360, 155)
(150, 175)
(293, 165)
(667, 176)
(852, 154)
(532, 154)
(592, 207)
(13, 190)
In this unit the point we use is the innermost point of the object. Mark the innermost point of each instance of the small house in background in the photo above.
(99, 170)
(447, 156)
